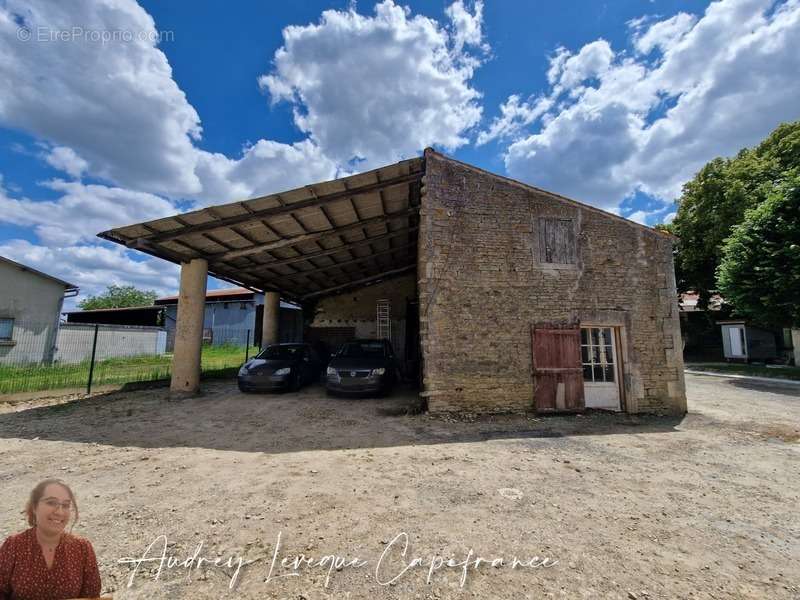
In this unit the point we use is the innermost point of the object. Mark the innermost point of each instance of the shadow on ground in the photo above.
(774, 387)
(225, 419)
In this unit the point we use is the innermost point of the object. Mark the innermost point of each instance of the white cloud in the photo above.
(66, 160)
(264, 167)
(113, 103)
(112, 109)
(639, 216)
(592, 61)
(514, 116)
(81, 211)
(664, 34)
(467, 26)
(382, 87)
(711, 86)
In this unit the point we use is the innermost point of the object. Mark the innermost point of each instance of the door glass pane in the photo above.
(587, 372)
(595, 354)
(584, 354)
(607, 336)
(595, 336)
(608, 373)
(584, 337)
(609, 354)
(598, 373)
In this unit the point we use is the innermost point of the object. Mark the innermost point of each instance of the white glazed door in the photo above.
(735, 335)
(599, 361)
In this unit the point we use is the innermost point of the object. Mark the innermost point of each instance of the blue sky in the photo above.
(115, 112)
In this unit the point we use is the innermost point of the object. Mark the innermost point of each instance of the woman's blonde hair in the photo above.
(36, 495)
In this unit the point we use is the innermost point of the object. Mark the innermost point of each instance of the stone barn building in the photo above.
(501, 296)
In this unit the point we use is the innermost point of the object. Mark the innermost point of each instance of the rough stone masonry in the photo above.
(483, 284)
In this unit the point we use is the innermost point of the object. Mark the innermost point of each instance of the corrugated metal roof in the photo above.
(305, 242)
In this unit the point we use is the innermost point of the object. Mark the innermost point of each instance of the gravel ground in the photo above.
(704, 506)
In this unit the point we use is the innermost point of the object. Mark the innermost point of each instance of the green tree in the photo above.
(760, 268)
(119, 296)
(718, 197)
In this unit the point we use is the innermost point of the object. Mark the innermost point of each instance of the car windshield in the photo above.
(362, 350)
(281, 352)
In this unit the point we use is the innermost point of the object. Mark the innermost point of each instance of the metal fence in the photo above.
(40, 356)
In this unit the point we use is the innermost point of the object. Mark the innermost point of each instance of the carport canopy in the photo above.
(316, 240)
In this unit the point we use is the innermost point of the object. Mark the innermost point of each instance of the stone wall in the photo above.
(357, 309)
(482, 286)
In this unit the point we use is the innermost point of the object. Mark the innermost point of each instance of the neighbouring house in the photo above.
(233, 316)
(710, 334)
(512, 297)
(30, 308)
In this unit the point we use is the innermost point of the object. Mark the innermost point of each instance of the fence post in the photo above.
(247, 347)
(91, 365)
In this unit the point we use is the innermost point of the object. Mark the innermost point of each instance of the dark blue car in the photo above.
(280, 367)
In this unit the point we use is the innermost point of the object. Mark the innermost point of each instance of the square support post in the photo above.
(269, 325)
(189, 328)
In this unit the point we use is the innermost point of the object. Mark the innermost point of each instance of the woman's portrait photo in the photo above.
(47, 561)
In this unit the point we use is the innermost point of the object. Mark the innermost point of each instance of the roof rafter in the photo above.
(361, 281)
(346, 247)
(345, 263)
(308, 237)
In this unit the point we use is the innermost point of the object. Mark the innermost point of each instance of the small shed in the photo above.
(744, 342)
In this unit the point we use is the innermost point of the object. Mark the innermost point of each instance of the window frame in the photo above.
(10, 337)
(604, 342)
(548, 252)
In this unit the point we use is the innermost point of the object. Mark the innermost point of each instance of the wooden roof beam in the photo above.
(346, 247)
(349, 262)
(362, 281)
(307, 237)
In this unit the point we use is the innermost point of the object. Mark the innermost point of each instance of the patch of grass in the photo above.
(754, 370)
(216, 361)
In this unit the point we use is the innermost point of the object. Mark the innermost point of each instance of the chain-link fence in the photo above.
(38, 356)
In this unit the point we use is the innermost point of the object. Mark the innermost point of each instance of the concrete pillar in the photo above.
(269, 326)
(189, 328)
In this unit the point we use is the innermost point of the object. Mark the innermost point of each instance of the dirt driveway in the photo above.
(700, 507)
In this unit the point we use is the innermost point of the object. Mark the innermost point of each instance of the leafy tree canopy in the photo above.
(760, 268)
(718, 197)
(119, 296)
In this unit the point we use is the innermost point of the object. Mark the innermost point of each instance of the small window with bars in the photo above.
(6, 329)
(597, 354)
(557, 241)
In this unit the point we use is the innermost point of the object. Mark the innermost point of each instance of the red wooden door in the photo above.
(557, 372)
